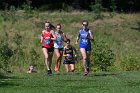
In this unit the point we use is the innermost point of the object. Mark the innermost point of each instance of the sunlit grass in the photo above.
(121, 31)
(121, 82)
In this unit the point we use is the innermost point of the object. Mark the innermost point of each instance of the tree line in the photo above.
(119, 5)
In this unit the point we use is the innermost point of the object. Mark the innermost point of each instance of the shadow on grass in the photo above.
(6, 80)
(105, 74)
(72, 73)
(2, 77)
(132, 83)
(138, 28)
(90, 74)
(5, 83)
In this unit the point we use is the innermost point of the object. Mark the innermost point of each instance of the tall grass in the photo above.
(121, 32)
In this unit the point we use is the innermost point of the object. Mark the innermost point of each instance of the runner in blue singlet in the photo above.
(85, 35)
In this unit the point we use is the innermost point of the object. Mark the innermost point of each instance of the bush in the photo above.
(97, 8)
(5, 54)
(34, 56)
(130, 63)
(113, 5)
(102, 56)
(66, 8)
(19, 54)
(9, 15)
(12, 14)
(27, 7)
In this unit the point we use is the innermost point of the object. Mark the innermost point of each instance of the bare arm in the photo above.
(77, 39)
(54, 37)
(65, 37)
(41, 37)
(64, 53)
(90, 36)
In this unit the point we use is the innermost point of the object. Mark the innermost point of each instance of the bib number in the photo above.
(47, 41)
(69, 57)
(59, 41)
(84, 41)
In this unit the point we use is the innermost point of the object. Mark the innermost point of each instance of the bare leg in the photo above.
(58, 59)
(45, 52)
(50, 59)
(72, 67)
(67, 67)
(84, 55)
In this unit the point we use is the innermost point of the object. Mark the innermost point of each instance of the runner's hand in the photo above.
(76, 42)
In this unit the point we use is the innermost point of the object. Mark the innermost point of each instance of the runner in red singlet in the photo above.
(47, 38)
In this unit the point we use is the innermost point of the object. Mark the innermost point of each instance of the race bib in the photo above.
(69, 57)
(47, 41)
(84, 41)
(59, 42)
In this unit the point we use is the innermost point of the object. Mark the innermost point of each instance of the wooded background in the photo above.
(121, 5)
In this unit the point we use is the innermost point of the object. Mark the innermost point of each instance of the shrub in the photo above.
(130, 63)
(102, 56)
(19, 54)
(34, 56)
(27, 7)
(79, 63)
(113, 5)
(12, 14)
(97, 8)
(66, 8)
(9, 15)
(5, 54)
(113, 8)
(17, 39)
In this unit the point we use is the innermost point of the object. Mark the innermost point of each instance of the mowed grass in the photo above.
(105, 82)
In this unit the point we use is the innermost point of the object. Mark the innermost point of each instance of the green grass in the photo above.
(120, 82)
(121, 32)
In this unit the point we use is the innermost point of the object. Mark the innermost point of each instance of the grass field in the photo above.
(105, 82)
(121, 32)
